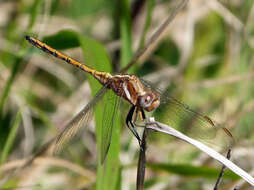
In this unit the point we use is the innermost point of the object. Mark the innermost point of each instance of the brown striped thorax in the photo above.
(127, 86)
(134, 91)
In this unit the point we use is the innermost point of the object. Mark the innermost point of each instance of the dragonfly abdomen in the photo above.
(102, 77)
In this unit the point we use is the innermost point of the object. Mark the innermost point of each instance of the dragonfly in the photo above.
(139, 93)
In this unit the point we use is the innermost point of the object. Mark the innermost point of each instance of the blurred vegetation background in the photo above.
(204, 59)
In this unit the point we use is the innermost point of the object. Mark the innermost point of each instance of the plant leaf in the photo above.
(95, 56)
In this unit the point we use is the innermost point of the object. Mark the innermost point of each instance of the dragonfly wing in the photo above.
(192, 123)
(110, 111)
(78, 122)
(196, 125)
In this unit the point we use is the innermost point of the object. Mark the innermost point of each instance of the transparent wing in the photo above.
(110, 110)
(78, 122)
(194, 124)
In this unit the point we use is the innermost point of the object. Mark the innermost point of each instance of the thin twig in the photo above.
(221, 172)
(155, 36)
(222, 81)
(142, 162)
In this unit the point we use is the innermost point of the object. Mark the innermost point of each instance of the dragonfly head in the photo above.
(149, 101)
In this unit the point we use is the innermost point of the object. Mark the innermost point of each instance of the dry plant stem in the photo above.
(142, 162)
(155, 37)
(160, 127)
(51, 161)
(222, 172)
(233, 119)
(48, 161)
(222, 81)
(226, 14)
(44, 149)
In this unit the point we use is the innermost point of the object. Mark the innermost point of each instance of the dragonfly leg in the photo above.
(143, 114)
(130, 124)
(139, 112)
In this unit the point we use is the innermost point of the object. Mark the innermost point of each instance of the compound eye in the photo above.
(149, 101)
(146, 100)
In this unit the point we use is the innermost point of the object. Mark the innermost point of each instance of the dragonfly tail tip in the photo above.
(27, 37)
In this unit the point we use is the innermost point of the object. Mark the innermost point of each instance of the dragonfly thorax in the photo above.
(133, 90)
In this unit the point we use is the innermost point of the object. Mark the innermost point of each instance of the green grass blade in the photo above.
(147, 22)
(96, 57)
(34, 12)
(64, 39)
(11, 137)
(193, 171)
(125, 32)
(9, 83)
